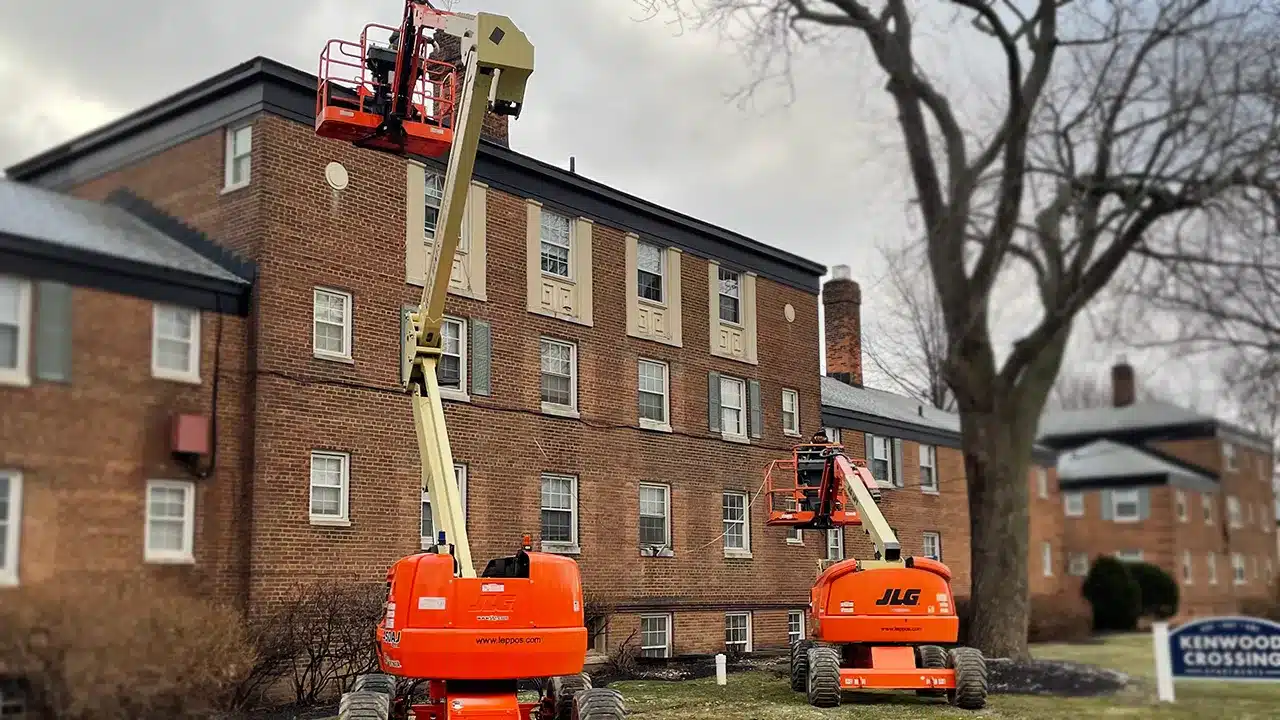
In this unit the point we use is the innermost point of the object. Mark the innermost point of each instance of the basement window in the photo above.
(737, 632)
(655, 636)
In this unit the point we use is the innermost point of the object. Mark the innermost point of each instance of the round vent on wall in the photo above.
(336, 174)
(789, 313)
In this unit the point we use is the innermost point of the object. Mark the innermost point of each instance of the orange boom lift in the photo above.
(467, 640)
(875, 624)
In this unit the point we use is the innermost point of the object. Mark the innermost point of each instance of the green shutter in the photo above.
(1108, 512)
(481, 354)
(53, 331)
(753, 397)
(1144, 503)
(713, 401)
(897, 463)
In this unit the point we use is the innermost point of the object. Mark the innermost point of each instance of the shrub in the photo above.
(1059, 618)
(123, 648)
(1158, 589)
(1113, 594)
(1266, 606)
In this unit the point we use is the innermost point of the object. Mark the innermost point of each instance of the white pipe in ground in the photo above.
(721, 678)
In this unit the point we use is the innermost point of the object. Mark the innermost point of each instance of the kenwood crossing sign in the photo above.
(1222, 648)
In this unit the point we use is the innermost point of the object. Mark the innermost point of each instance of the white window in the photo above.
(451, 372)
(1181, 500)
(655, 636)
(1129, 555)
(1124, 505)
(1046, 558)
(733, 404)
(737, 529)
(559, 375)
(1211, 564)
(10, 525)
(1186, 567)
(1237, 569)
(1229, 457)
(737, 632)
(730, 297)
(239, 150)
(832, 434)
(790, 412)
(330, 487)
(175, 343)
(331, 314)
(1042, 483)
(559, 512)
(15, 330)
(428, 523)
(433, 196)
(880, 458)
(1078, 564)
(557, 237)
(651, 271)
(1073, 504)
(655, 403)
(170, 529)
(929, 468)
(933, 546)
(795, 536)
(1206, 505)
(1233, 511)
(795, 626)
(655, 523)
(835, 544)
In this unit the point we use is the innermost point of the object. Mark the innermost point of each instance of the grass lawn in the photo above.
(763, 696)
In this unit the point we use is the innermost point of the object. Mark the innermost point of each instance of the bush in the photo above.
(1113, 594)
(1158, 589)
(1267, 606)
(1059, 618)
(124, 648)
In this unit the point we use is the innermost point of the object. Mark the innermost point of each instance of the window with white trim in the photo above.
(559, 512)
(1187, 569)
(1233, 511)
(331, 318)
(651, 263)
(433, 197)
(880, 458)
(655, 520)
(730, 297)
(835, 544)
(239, 150)
(428, 529)
(1042, 483)
(795, 626)
(1211, 566)
(790, 412)
(1129, 555)
(1073, 504)
(932, 546)
(929, 468)
(556, 241)
(452, 370)
(559, 375)
(737, 632)
(1180, 499)
(1206, 506)
(330, 487)
(1124, 505)
(15, 331)
(10, 525)
(655, 636)
(1078, 564)
(737, 528)
(733, 407)
(1046, 558)
(175, 343)
(1229, 460)
(1237, 569)
(169, 533)
(655, 396)
(795, 535)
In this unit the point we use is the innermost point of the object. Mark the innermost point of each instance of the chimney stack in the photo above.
(842, 325)
(1123, 390)
(449, 49)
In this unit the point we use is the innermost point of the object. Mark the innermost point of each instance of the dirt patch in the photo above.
(692, 668)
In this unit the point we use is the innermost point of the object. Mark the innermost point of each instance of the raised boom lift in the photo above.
(470, 639)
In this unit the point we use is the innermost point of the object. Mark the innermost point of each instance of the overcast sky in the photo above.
(641, 104)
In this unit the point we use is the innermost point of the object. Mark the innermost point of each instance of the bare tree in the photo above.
(1118, 120)
(1078, 391)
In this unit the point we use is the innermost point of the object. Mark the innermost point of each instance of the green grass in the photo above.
(764, 696)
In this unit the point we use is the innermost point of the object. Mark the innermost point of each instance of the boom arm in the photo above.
(858, 481)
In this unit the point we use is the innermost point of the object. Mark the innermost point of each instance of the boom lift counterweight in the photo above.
(470, 639)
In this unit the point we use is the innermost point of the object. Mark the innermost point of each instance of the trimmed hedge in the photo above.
(1159, 591)
(1114, 594)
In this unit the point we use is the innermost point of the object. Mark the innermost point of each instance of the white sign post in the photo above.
(1164, 663)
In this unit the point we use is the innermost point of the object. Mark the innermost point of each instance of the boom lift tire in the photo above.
(824, 676)
(800, 664)
(932, 657)
(598, 704)
(563, 689)
(375, 682)
(364, 705)
(970, 692)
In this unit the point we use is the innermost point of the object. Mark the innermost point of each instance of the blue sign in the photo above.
(1226, 648)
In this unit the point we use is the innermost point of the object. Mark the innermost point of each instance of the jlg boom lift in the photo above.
(469, 639)
(875, 624)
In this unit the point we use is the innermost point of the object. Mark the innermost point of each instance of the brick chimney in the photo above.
(842, 325)
(1123, 390)
(449, 49)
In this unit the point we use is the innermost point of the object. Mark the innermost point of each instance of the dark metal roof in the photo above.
(1111, 464)
(122, 245)
(264, 85)
(1140, 422)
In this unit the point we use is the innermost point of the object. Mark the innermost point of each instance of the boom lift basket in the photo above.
(801, 495)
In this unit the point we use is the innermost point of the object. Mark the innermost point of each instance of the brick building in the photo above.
(1161, 483)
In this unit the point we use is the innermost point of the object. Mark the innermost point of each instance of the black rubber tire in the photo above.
(933, 657)
(364, 705)
(563, 689)
(970, 692)
(375, 682)
(824, 676)
(800, 665)
(599, 704)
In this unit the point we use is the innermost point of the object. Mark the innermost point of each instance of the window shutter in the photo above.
(1144, 503)
(1108, 512)
(481, 354)
(868, 452)
(713, 401)
(753, 396)
(897, 463)
(53, 331)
